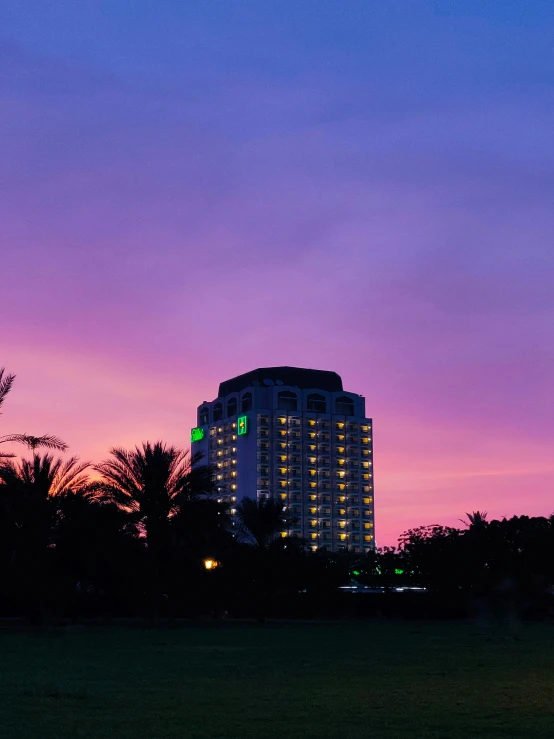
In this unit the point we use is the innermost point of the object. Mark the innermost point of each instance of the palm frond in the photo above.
(6, 382)
(48, 441)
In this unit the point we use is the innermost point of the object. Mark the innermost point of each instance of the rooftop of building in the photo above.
(299, 377)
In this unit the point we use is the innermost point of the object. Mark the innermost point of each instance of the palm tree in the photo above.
(475, 519)
(28, 490)
(33, 442)
(260, 525)
(260, 522)
(152, 483)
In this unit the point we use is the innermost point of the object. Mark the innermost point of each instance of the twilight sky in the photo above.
(190, 190)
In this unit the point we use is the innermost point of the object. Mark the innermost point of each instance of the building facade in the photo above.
(296, 435)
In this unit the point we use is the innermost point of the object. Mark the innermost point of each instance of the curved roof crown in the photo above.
(304, 379)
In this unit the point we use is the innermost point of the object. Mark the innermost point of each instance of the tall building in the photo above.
(294, 434)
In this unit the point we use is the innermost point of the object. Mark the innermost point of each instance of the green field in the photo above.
(323, 681)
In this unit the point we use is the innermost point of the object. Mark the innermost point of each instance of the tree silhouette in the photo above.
(28, 489)
(152, 483)
(32, 442)
(477, 518)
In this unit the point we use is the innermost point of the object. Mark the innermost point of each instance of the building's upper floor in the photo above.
(287, 389)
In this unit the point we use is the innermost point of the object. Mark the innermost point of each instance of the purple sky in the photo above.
(192, 190)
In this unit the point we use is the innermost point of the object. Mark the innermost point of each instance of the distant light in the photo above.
(211, 564)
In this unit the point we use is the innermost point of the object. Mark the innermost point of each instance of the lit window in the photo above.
(313, 522)
(311, 422)
(342, 473)
(312, 473)
(283, 534)
(313, 485)
(220, 441)
(368, 537)
(220, 477)
(233, 461)
(234, 438)
(234, 449)
(367, 501)
(313, 510)
(342, 524)
(342, 498)
(341, 486)
(340, 437)
(342, 537)
(283, 458)
(368, 525)
(220, 464)
(234, 425)
(313, 535)
(340, 425)
(282, 433)
(233, 487)
(312, 434)
(340, 449)
(312, 460)
(283, 470)
(313, 497)
(233, 473)
(340, 461)
(282, 483)
(283, 496)
(312, 447)
(342, 512)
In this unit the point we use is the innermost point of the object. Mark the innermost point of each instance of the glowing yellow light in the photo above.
(211, 564)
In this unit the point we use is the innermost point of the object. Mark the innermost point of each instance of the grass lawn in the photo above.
(280, 681)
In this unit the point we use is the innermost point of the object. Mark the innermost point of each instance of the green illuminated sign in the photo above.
(242, 423)
(196, 434)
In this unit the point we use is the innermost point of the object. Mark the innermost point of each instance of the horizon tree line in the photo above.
(134, 542)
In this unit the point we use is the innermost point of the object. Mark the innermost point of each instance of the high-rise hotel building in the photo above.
(294, 434)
